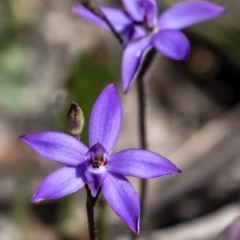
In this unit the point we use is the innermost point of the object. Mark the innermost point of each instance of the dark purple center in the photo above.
(97, 155)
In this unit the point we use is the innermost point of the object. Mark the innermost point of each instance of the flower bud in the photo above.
(75, 120)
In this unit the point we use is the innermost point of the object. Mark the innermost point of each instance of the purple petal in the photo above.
(133, 57)
(172, 43)
(148, 9)
(88, 15)
(95, 180)
(132, 7)
(106, 119)
(123, 199)
(119, 19)
(141, 164)
(188, 13)
(58, 147)
(142, 10)
(63, 181)
(132, 32)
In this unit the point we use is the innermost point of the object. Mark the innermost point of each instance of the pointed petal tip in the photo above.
(186, 57)
(219, 9)
(175, 170)
(74, 8)
(110, 88)
(24, 138)
(138, 227)
(34, 199)
(222, 10)
(178, 171)
(123, 199)
(125, 89)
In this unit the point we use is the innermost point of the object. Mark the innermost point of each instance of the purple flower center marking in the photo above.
(97, 157)
(98, 160)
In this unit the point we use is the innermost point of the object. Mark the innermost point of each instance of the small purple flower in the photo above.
(97, 166)
(141, 25)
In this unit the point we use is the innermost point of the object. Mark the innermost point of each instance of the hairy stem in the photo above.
(90, 204)
(142, 134)
(141, 99)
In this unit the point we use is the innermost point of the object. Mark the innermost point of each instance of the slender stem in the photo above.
(141, 99)
(141, 112)
(142, 133)
(90, 204)
(143, 142)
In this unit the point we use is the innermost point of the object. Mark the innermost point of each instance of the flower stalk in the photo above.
(75, 123)
(90, 204)
(141, 100)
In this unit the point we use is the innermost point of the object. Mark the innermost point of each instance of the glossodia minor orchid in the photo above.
(97, 166)
(143, 29)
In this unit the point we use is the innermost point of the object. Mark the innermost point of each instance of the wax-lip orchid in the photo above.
(97, 166)
(143, 30)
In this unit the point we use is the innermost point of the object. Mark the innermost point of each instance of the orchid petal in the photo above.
(106, 119)
(95, 179)
(128, 34)
(123, 199)
(118, 18)
(133, 57)
(172, 43)
(141, 164)
(63, 181)
(132, 7)
(132, 32)
(148, 11)
(188, 13)
(58, 147)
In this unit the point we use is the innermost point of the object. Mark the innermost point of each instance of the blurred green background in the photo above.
(50, 57)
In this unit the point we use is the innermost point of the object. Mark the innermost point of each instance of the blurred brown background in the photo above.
(50, 57)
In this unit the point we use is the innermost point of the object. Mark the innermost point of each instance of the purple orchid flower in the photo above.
(143, 30)
(97, 166)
